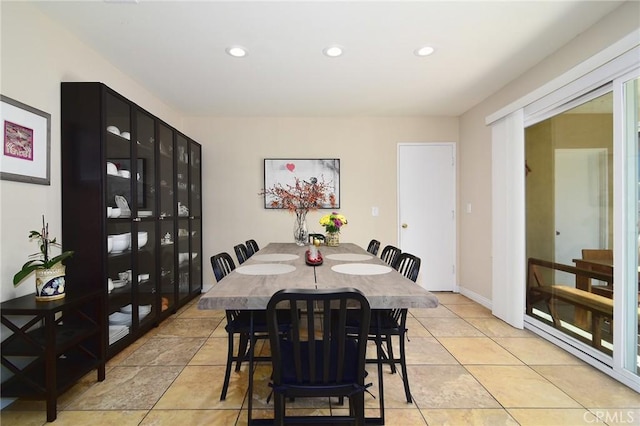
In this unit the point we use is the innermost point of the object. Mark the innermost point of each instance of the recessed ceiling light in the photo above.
(333, 51)
(424, 51)
(236, 51)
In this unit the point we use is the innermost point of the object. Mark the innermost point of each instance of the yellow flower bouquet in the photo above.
(333, 222)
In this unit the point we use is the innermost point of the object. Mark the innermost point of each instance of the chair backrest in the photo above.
(252, 247)
(390, 255)
(241, 253)
(316, 237)
(408, 265)
(222, 264)
(318, 350)
(374, 246)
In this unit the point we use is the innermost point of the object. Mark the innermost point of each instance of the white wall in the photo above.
(474, 150)
(233, 153)
(36, 56)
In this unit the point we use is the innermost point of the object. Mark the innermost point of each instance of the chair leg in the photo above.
(356, 408)
(403, 365)
(242, 350)
(392, 361)
(278, 409)
(227, 373)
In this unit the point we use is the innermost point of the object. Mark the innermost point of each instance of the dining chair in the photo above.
(252, 247)
(320, 237)
(241, 253)
(386, 323)
(374, 246)
(238, 322)
(319, 358)
(390, 255)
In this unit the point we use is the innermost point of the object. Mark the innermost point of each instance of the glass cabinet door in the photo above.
(196, 216)
(118, 193)
(144, 282)
(183, 206)
(166, 194)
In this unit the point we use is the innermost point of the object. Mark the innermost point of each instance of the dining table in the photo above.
(280, 266)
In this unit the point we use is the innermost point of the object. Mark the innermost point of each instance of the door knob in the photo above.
(405, 226)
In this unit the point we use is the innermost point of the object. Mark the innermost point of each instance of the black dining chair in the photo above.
(319, 357)
(252, 247)
(316, 237)
(393, 322)
(238, 322)
(374, 246)
(390, 255)
(241, 253)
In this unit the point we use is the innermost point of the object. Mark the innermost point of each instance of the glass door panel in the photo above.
(631, 135)
(167, 205)
(118, 195)
(167, 261)
(145, 165)
(144, 282)
(196, 258)
(184, 257)
(569, 218)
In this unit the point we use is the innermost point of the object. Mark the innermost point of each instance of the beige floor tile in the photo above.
(426, 350)
(191, 417)
(416, 329)
(213, 352)
(464, 416)
(477, 350)
(448, 298)
(102, 418)
(127, 388)
(454, 327)
(192, 311)
(189, 327)
(447, 387)
(554, 416)
(9, 416)
(165, 351)
(470, 311)
(494, 327)
(536, 351)
(198, 388)
(590, 387)
(520, 386)
(439, 311)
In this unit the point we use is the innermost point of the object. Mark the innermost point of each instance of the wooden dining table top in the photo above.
(283, 265)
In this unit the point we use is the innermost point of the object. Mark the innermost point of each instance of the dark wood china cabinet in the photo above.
(131, 210)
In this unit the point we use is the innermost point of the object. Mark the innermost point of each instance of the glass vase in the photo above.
(300, 230)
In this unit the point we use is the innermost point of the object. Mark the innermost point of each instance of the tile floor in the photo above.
(465, 367)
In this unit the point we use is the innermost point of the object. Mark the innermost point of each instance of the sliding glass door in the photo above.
(582, 203)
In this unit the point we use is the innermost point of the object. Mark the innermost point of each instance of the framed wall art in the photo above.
(284, 171)
(26, 143)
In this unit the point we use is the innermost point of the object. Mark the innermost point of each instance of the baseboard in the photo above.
(475, 297)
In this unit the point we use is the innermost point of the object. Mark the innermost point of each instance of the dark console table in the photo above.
(51, 345)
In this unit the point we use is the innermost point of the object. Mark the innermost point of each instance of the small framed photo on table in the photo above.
(26, 143)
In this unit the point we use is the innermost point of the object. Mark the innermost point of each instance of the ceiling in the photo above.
(176, 50)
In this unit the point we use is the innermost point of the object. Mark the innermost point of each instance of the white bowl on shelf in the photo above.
(143, 237)
(109, 244)
(143, 277)
(114, 130)
(125, 174)
(121, 242)
(112, 169)
(115, 212)
(126, 135)
(183, 257)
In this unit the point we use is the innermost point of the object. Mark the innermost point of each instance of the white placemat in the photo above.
(348, 257)
(275, 257)
(266, 269)
(361, 269)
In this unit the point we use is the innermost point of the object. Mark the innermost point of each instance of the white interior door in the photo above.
(426, 211)
(581, 200)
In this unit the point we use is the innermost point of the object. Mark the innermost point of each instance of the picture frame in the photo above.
(26, 143)
(284, 171)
